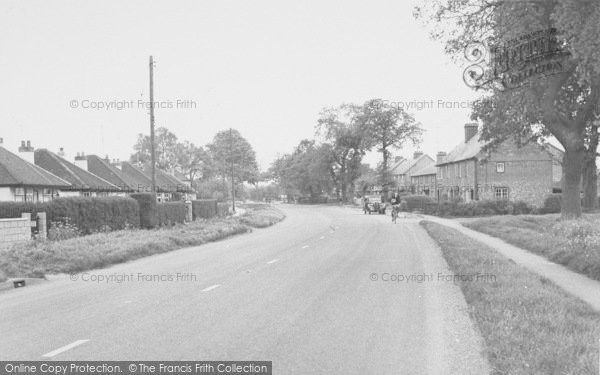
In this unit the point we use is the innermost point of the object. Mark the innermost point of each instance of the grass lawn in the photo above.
(575, 244)
(36, 258)
(529, 325)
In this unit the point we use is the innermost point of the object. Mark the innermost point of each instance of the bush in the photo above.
(148, 212)
(204, 208)
(60, 231)
(89, 215)
(403, 205)
(171, 213)
(552, 204)
(222, 209)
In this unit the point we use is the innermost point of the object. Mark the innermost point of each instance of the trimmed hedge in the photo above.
(171, 213)
(419, 202)
(429, 206)
(148, 209)
(204, 208)
(484, 208)
(89, 215)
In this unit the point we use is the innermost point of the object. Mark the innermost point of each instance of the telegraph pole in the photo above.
(232, 176)
(152, 146)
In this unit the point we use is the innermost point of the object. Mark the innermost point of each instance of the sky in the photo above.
(75, 74)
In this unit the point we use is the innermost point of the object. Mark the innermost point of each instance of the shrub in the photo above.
(552, 204)
(59, 231)
(403, 205)
(204, 208)
(171, 213)
(222, 209)
(148, 211)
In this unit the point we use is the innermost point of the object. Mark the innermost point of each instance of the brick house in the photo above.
(424, 181)
(22, 181)
(527, 173)
(403, 169)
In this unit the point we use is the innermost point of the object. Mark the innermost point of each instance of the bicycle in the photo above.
(395, 210)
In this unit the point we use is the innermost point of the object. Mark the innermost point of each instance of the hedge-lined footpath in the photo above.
(529, 325)
(574, 243)
(35, 259)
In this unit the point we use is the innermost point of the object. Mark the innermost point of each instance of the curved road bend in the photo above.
(301, 294)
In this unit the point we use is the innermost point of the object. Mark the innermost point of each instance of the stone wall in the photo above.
(15, 230)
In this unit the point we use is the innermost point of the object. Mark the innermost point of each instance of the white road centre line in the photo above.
(65, 348)
(273, 261)
(305, 246)
(211, 288)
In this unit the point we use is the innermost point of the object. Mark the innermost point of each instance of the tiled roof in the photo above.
(165, 181)
(104, 170)
(465, 151)
(80, 179)
(135, 178)
(15, 171)
(427, 170)
(407, 165)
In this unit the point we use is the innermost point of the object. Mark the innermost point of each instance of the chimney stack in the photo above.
(417, 154)
(1, 142)
(26, 152)
(81, 161)
(61, 152)
(440, 157)
(470, 131)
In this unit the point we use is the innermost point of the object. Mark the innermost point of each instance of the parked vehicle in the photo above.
(374, 205)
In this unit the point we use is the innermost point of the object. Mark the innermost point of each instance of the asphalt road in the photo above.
(314, 294)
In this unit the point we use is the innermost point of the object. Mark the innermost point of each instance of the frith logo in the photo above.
(511, 64)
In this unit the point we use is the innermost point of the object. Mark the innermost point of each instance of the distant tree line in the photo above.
(210, 168)
(331, 163)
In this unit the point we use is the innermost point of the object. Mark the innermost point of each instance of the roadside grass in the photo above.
(259, 215)
(37, 258)
(528, 324)
(574, 244)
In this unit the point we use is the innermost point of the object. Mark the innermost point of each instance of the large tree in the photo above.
(561, 104)
(347, 142)
(233, 155)
(193, 161)
(166, 149)
(305, 171)
(388, 128)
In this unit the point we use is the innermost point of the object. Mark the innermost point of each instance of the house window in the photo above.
(457, 170)
(47, 195)
(501, 193)
(500, 167)
(466, 169)
(19, 194)
(23, 195)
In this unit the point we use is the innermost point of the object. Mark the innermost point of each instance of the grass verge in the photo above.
(529, 325)
(260, 215)
(574, 244)
(36, 259)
